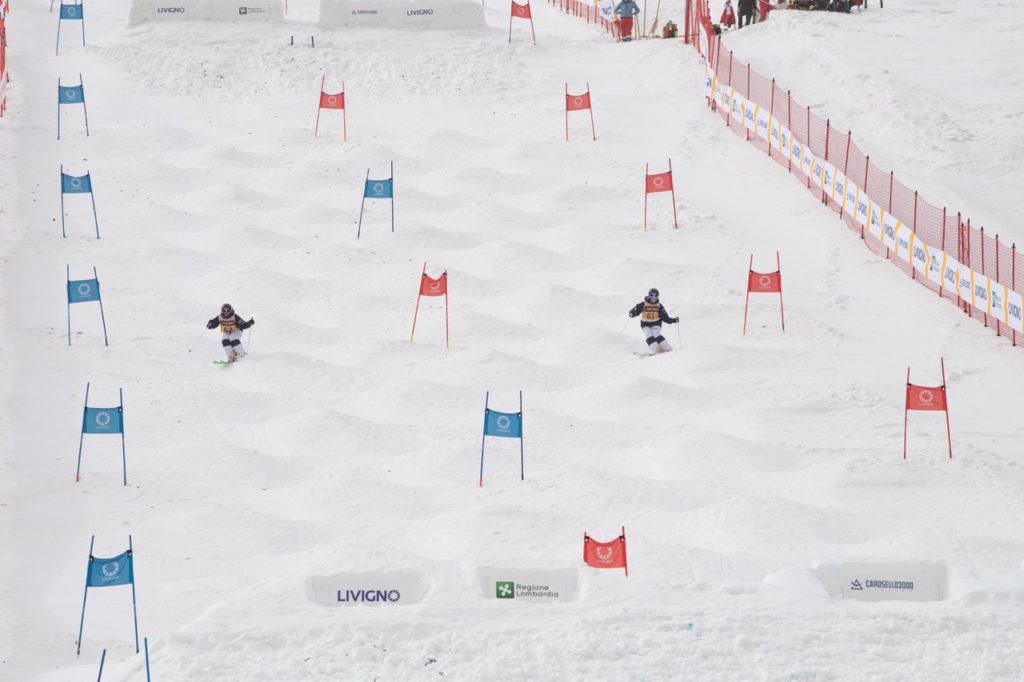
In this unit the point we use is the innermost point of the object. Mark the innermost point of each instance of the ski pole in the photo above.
(623, 327)
(679, 336)
(251, 330)
(197, 340)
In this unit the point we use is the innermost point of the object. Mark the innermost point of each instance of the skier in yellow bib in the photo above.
(231, 326)
(652, 314)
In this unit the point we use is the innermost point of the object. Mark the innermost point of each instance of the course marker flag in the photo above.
(85, 291)
(332, 101)
(76, 184)
(72, 94)
(764, 283)
(606, 554)
(927, 399)
(432, 287)
(579, 102)
(111, 572)
(659, 182)
(502, 425)
(103, 421)
(521, 11)
(378, 189)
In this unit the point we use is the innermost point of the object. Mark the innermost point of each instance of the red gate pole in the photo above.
(807, 144)
(647, 170)
(675, 216)
(846, 167)
(771, 118)
(344, 115)
(531, 24)
(782, 308)
(318, 96)
(592, 128)
(942, 278)
(746, 304)
(566, 111)
(905, 391)
(419, 292)
(945, 394)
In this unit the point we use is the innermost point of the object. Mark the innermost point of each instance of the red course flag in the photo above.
(332, 101)
(434, 287)
(577, 102)
(521, 11)
(659, 182)
(606, 554)
(927, 399)
(764, 283)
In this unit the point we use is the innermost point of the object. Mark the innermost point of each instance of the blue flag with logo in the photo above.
(379, 189)
(503, 424)
(70, 11)
(83, 290)
(103, 420)
(70, 94)
(71, 184)
(109, 572)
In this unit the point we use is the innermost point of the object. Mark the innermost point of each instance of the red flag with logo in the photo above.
(577, 102)
(328, 101)
(605, 554)
(659, 182)
(926, 398)
(521, 11)
(434, 287)
(765, 282)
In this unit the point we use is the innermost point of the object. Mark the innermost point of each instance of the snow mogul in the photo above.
(231, 326)
(652, 313)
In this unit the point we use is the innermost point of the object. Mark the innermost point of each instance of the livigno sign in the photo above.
(365, 589)
(527, 585)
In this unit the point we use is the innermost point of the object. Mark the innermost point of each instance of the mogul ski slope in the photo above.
(337, 446)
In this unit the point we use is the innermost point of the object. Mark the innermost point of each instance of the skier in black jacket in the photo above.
(231, 326)
(746, 8)
(652, 313)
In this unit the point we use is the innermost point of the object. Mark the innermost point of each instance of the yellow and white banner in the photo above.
(1015, 311)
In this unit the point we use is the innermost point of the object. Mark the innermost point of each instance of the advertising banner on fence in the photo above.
(1015, 311)
(205, 10)
(885, 580)
(426, 14)
(763, 123)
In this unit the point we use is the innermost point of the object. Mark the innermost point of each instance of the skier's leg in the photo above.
(236, 343)
(663, 344)
(656, 341)
(650, 333)
(226, 342)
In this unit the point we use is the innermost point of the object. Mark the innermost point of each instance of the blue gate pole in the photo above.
(124, 459)
(135, 611)
(483, 440)
(81, 622)
(81, 436)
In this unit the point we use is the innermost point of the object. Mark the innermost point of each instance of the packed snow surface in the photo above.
(736, 464)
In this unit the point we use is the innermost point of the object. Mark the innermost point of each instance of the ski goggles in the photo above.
(651, 299)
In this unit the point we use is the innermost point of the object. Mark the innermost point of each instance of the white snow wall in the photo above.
(205, 10)
(411, 14)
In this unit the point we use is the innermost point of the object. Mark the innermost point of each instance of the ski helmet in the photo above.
(226, 309)
(653, 292)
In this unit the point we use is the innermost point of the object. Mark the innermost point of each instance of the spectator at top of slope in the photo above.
(625, 11)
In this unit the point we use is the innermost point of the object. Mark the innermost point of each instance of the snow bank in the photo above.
(885, 580)
(205, 10)
(444, 14)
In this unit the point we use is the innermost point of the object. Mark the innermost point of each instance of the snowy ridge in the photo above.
(735, 463)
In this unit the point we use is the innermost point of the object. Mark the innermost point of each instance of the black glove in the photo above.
(252, 321)
(211, 324)
(633, 313)
(672, 320)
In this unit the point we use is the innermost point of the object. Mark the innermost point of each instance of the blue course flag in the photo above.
(109, 572)
(102, 420)
(70, 11)
(71, 184)
(379, 189)
(70, 94)
(503, 424)
(83, 290)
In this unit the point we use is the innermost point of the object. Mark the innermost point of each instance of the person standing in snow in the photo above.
(231, 326)
(625, 11)
(728, 19)
(746, 11)
(652, 313)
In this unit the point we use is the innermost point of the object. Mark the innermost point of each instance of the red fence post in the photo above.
(789, 124)
(807, 143)
(913, 272)
(867, 169)
(828, 130)
(1013, 278)
(728, 118)
(846, 167)
(982, 229)
(771, 118)
(942, 279)
(889, 210)
(746, 130)
(999, 331)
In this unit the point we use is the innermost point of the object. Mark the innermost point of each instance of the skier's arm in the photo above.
(636, 310)
(242, 324)
(663, 314)
(636, 9)
(212, 323)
